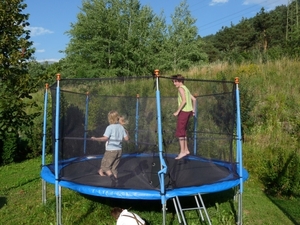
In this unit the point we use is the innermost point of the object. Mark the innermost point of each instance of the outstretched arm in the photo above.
(102, 139)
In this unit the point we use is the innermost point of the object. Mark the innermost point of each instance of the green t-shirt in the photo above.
(188, 107)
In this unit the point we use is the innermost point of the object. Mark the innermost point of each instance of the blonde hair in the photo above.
(122, 120)
(114, 117)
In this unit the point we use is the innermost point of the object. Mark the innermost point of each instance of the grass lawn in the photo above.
(21, 203)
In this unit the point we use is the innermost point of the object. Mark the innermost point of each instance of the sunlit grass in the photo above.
(21, 203)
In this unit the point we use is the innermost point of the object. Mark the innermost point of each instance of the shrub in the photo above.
(281, 175)
(9, 148)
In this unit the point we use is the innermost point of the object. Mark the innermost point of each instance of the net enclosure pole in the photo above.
(44, 140)
(86, 121)
(56, 153)
(136, 121)
(195, 125)
(239, 154)
(163, 171)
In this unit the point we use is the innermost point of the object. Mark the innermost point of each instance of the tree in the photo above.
(262, 23)
(15, 82)
(111, 37)
(184, 46)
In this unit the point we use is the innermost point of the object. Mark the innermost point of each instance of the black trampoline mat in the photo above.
(141, 173)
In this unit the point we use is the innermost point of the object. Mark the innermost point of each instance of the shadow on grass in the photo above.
(210, 200)
(21, 184)
(129, 204)
(3, 201)
(292, 211)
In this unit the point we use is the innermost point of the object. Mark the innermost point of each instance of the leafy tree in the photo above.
(209, 48)
(44, 72)
(184, 46)
(260, 37)
(111, 37)
(277, 30)
(245, 37)
(261, 25)
(292, 46)
(120, 37)
(15, 82)
(157, 39)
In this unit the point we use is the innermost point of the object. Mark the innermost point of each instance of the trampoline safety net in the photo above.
(83, 108)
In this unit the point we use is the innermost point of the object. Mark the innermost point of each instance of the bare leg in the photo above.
(186, 149)
(108, 173)
(101, 173)
(183, 144)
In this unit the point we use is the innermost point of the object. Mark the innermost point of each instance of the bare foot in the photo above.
(101, 173)
(181, 155)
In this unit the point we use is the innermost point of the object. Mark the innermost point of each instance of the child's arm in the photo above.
(102, 139)
(194, 104)
(127, 137)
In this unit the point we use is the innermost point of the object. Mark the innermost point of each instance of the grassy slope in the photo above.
(20, 203)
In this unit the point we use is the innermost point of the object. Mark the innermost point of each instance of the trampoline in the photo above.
(148, 169)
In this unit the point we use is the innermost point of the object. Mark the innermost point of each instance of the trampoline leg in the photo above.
(58, 208)
(240, 204)
(164, 214)
(44, 195)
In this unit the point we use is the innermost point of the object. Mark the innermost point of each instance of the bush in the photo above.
(9, 150)
(281, 175)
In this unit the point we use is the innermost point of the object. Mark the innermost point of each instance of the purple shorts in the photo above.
(182, 122)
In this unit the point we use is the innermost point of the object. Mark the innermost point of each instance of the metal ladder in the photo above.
(200, 207)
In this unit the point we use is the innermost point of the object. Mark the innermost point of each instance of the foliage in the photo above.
(281, 175)
(110, 38)
(260, 38)
(10, 149)
(33, 136)
(44, 72)
(123, 38)
(16, 85)
(183, 46)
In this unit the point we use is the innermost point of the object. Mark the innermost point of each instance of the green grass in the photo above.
(21, 203)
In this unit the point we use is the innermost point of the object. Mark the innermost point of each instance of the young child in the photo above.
(124, 217)
(114, 134)
(186, 109)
